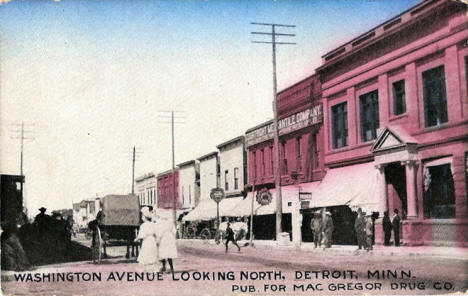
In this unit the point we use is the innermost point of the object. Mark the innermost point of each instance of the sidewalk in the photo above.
(379, 250)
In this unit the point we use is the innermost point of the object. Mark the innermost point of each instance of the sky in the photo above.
(91, 79)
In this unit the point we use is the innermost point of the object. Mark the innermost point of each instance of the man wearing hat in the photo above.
(368, 232)
(327, 230)
(396, 227)
(359, 228)
(316, 226)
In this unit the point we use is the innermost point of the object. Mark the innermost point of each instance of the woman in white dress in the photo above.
(167, 241)
(149, 250)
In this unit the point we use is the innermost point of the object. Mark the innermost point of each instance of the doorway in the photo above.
(395, 176)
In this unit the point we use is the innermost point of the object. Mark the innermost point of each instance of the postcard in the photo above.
(234, 147)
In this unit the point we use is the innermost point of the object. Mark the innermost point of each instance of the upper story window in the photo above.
(298, 154)
(254, 164)
(315, 156)
(466, 73)
(236, 178)
(399, 97)
(183, 195)
(369, 106)
(262, 159)
(226, 180)
(435, 97)
(284, 160)
(272, 165)
(340, 125)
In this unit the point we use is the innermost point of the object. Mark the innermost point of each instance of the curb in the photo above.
(455, 254)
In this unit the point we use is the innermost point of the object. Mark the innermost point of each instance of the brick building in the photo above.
(395, 113)
(168, 190)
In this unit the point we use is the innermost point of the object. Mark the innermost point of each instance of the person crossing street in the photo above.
(230, 237)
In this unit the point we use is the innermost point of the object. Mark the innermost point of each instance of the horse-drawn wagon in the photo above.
(115, 225)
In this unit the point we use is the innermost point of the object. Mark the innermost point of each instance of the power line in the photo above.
(274, 42)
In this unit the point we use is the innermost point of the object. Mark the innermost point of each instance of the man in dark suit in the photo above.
(396, 227)
(387, 228)
(230, 237)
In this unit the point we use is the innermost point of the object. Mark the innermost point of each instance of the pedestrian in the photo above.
(387, 228)
(167, 241)
(360, 229)
(147, 234)
(316, 226)
(396, 227)
(327, 230)
(230, 237)
(368, 228)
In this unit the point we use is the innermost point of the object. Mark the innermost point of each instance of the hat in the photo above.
(42, 209)
(328, 213)
(359, 210)
(146, 212)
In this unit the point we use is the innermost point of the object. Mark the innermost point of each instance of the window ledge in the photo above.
(347, 148)
(396, 117)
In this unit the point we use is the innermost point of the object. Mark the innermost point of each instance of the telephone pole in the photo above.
(136, 152)
(165, 116)
(22, 137)
(133, 171)
(277, 163)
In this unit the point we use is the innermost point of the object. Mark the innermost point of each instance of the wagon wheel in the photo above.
(205, 234)
(190, 233)
(97, 246)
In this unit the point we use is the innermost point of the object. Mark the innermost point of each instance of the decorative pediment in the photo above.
(392, 138)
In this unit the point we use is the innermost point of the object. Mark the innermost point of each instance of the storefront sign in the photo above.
(299, 120)
(305, 195)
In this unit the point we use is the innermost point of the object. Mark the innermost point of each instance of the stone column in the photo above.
(411, 167)
(383, 199)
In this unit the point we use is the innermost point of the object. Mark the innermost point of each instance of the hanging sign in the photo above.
(264, 197)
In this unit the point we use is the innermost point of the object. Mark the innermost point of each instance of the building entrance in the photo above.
(395, 177)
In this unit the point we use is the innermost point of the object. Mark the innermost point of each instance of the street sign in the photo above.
(217, 194)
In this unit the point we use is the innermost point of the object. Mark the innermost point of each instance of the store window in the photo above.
(340, 125)
(435, 97)
(399, 97)
(369, 107)
(439, 195)
(236, 178)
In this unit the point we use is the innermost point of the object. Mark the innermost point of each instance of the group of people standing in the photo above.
(322, 229)
(158, 236)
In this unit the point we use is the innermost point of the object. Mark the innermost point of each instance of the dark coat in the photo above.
(396, 223)
(387, 224)
(360, 224)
